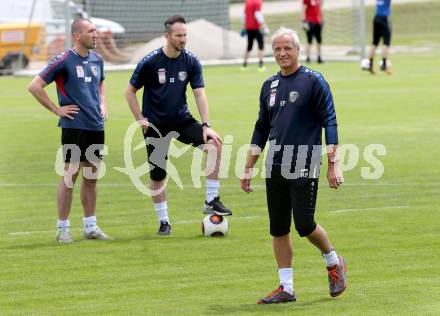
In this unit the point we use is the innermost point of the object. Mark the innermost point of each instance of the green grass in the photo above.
(413, 24)
(391, 243)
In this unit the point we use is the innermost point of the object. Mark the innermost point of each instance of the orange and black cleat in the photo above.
(336, 278)
(278, 296)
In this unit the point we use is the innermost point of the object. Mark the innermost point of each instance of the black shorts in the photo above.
(254, 35)
(381, 29)
(76, 142)
(287, 197)
(314, 30)
(187, 132)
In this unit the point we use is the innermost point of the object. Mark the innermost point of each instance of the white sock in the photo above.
(89, 223)
(286, 279)
(211, 189)
(161, 209)
(331, 258)
(63, 224)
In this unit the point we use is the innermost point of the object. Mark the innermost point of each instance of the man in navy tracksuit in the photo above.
(164, 75)
(79, 77)
(295, 104)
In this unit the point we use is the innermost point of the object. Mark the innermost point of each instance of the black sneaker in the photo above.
(216, 207)
(320, 61)
(164, 229)
(278, 296)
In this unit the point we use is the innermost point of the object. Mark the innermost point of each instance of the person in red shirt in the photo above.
(312, 24)
(254, 27)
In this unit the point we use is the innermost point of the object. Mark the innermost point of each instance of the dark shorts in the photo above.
(81, 145)
(314, 30)
(381, 29)
(189, 132)
(254, 35)
(291, 197)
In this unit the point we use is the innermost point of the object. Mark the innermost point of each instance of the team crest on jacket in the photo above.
(182, 75)
(161, 75)
(293, 96)
(94, 70)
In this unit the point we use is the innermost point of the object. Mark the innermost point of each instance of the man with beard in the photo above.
(164, 75)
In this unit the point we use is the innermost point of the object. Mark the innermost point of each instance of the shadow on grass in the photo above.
(31, 246)
(50, 241)
(265, 309)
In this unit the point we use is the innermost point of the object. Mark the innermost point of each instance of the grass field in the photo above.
(386, 229)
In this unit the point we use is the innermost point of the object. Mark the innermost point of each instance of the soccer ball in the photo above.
(214, 225)
(365, 64)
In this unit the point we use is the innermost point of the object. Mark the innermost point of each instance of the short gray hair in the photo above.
(285, 31)
(76, 26)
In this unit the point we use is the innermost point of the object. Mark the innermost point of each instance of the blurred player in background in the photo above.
(164, 75)
(312, 25)
(381, 29)
(255, 29)
(79, 76)
(295, 105)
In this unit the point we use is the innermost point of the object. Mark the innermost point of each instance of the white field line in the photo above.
(39, 232)
(345, 210)
(251, 217)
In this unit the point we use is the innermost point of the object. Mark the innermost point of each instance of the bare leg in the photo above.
(371, 56)
(88, 189)
(88, 196)
(245, 57)
(372, 51)
(308, 52)
(282, 248)
(65, 190)
(320, 240)
(214, 153)
(159, 192)
(318, 50)
(387, 66)
(385, 51)
(261, 56)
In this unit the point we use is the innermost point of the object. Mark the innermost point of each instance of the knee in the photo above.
(89, 182)
(158, 174)
(279, 229)
(214, 145)
(69, 179)
(305, 225)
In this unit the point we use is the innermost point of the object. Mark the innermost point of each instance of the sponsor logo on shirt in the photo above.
(182, 75)
(293, 96)
(161, 75)
(80, 71)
